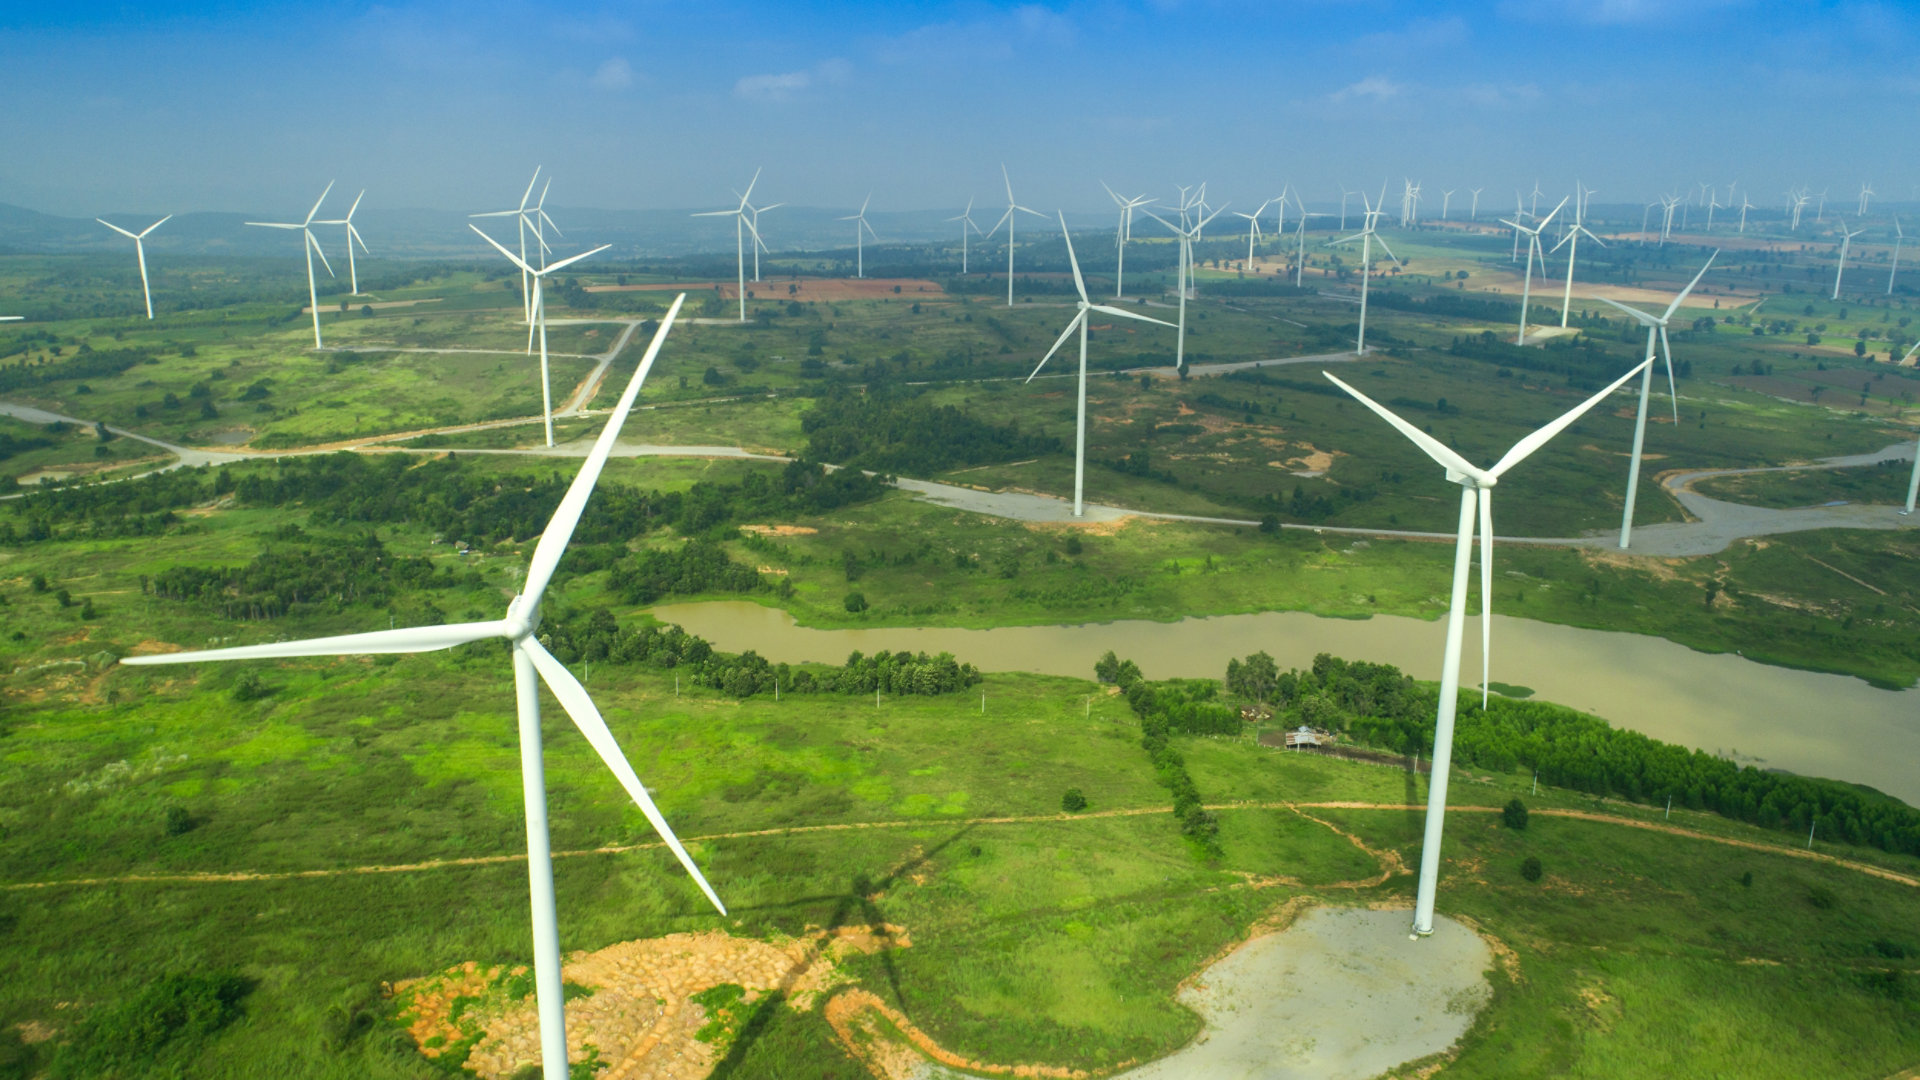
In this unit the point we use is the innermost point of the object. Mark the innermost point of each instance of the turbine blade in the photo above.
(574, 699)
(553, 542)
(511, 257)
(1539, 438)
(1675, 306)
(315, 241)
(406, 640)
(1431, 446)
(265, 224)
(317, 202)
(1644, 318)
(1382, 241)
(570, 260)
(354, 234)
(1486, 592)
(1079, 283)
(1072, 325)
(1125, 314)
(356, 203)
(124, 232)
(1673, 394)
(528, 194)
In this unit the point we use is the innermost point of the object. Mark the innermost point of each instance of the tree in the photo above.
(1531, 869)
(1106, 669)
(1514, 816)
(1073, 801)
(855, 602)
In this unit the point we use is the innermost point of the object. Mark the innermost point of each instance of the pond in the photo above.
(1800, 721)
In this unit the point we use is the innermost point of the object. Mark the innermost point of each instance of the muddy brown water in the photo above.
(1803, 722)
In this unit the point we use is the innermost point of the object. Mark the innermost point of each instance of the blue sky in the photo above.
(167, 106)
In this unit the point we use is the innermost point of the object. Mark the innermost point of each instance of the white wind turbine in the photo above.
(1007, 220)
(1280, 217)
(520, 214)
(860, 232)
(1572, 242)
(1474, 214)
(1367, 237)
(1079, 322)
(1124, 234)
(537, 217)
(1534, 210)
(353, 236)
(966, 222)
(1186, 233)
(1533, 246)
(1846, 241)
(1744, 207)
(540, 315)
(1655, 326)
(1446, 200)
(1866, 192)
(532, 665)
(1300, 256)
(741, 226)
(140, 252)
(312, 247)
(1899, 238)
(1476, 493)
(1253, 228)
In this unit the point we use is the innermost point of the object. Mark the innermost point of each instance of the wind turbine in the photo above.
(532, 665)
(1654, 326)
(1300, 257)
(1079, 322)
(540, 315)
(1744, 207)
(1846, 241)
(1474, 214)
(520, 214)
(1446, 200)
(1899, 238)
(1866, 192)
(741, 226)
(1367, 237)
(1186, 233)
(1534, 211)
(966, 222)
(860, 231)
(1476, 493)
(1533, 246)
(1572, 242)
(1124, 233)
(540, 221)
(1253, 228)
(1007, 220)
(312, 247)
(140, 252)
(353, 235)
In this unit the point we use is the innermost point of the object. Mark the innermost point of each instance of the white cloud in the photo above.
(1612, 12)
(995, 38)
(615, 74)
(788, 85)
(1500, 96)
(1418, 36)
(1373, 87)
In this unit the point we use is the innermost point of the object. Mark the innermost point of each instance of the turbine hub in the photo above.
(523, 618)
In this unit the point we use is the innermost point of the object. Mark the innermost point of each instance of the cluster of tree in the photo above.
(303, 571)
(697, 566)
(157, 1032)
(1256, 287)
(1380, 705)
(87, 363)
(1583, 361)
(20, 444)
(597, 637)
(1157, 706)
(1455, 305)
(901, 432)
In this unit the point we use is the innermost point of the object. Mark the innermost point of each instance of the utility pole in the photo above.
(1669, 807)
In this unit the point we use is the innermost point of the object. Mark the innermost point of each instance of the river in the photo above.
(1804, 722)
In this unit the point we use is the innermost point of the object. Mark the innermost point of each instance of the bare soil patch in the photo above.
(780, 530)
(801, 289)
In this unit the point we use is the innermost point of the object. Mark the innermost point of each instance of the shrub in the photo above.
(1073, 801)
(1514, 815)
(179, 822)
(1075, 547)
(160, 1026)
(1530, 868)
(855, 602)
(1821, 897)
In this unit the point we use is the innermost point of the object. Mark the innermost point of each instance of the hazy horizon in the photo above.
(436, 106)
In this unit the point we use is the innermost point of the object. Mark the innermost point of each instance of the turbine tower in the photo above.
(1899, 238)
(1367, 237)
(1866, 192)
(741, 226)
(966, 222)
(1300, 255)
(1654, 326)
(1253, 228)
(1124, 234)
(140, 252)
(1007, 220)
(860, 231)
(312, 247)
(1446, 200)
(1476, 493)
(1572, 243)
(540, 316)
(532, 665)
(353, 236)
(1533, 246)
(759, 242)
(1079, 322)
(520, 214)
(1474, 214)
(1846, 241)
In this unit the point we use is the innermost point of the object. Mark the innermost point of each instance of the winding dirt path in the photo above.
(1390, 861)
